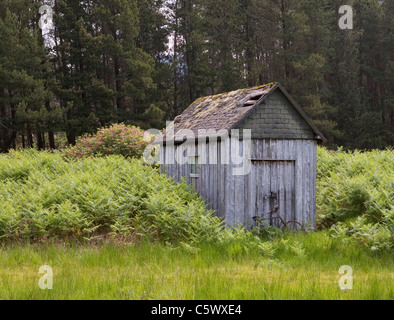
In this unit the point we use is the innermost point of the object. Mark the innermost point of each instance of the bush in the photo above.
(118, 139)
(355, 196)
(49, 197)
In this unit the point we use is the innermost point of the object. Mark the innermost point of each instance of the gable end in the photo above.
(277, 118)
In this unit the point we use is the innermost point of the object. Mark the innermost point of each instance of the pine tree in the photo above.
(103, 76)
(25, 108)
(387, 45)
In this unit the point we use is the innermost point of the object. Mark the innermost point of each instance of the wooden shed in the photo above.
(245, 152)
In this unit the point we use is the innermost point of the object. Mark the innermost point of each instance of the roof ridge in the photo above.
(220, 95)
(224, 111)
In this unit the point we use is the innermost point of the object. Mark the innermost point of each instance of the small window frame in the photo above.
(194, 166)
(194, 170)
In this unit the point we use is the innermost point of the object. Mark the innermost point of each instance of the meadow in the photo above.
(114, 228)
(291, 267)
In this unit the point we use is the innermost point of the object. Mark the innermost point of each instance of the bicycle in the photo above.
(286, 224)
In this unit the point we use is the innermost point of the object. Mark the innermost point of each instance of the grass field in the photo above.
(293, 267)
(114, 228)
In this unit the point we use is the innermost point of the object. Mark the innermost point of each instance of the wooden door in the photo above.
(271, 183)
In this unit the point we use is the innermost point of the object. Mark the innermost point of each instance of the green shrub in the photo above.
(47, 196)
(355, 196)
(118, 139)
(97, 198)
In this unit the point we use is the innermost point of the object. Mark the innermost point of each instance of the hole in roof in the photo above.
(249, 104)
(257, 97)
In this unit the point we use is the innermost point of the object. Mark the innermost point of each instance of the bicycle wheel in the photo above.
(294, 225)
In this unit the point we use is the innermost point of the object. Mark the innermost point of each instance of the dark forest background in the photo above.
(142, 62)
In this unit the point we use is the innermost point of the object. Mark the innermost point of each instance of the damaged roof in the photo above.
(223, 112)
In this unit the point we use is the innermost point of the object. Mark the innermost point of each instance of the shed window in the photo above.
(194, 167)
(194, 173)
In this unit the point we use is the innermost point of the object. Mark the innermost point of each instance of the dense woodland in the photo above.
(142, 62)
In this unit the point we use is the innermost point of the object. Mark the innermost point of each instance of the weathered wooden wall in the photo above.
(286, 166)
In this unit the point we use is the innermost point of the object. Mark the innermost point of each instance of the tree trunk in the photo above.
(71, 138)
(51, 139)
(30, 140)
(40, 140)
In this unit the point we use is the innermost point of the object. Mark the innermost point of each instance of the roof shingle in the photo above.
(213, 115)
(218, 112)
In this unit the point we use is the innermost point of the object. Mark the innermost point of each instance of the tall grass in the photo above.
(152, 271)
(45, 200)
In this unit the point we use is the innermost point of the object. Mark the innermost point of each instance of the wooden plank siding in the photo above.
(284, 166)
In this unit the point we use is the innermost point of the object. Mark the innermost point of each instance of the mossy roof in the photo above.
(220, 112)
